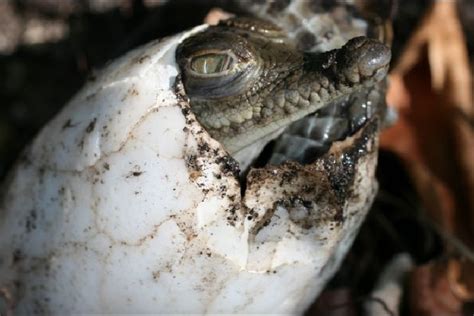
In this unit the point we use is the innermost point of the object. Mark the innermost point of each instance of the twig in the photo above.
(463, 249)
(382, 303)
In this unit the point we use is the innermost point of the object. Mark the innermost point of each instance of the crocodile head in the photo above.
(247, 83)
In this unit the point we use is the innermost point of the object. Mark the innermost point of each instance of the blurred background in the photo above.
(419, 234)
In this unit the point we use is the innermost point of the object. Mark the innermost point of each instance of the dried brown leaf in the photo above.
(432, 89)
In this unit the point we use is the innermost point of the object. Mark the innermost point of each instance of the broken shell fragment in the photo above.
(125, 204)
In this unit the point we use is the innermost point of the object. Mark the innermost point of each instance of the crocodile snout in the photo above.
(363, 59)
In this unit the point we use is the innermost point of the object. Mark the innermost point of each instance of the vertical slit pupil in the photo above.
(211, 63)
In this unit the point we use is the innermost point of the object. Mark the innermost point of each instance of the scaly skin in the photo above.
(276, 84)
(319, 26)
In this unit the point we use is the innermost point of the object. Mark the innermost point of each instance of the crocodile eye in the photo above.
(212, 63)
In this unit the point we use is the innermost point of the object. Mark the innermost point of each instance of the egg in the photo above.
(124, 203)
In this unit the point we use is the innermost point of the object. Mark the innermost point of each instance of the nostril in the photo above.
(363, 59)
(374, 57)
(357, 42)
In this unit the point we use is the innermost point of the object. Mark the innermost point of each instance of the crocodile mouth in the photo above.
(311, 137)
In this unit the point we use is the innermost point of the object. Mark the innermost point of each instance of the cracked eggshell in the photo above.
(124, 204)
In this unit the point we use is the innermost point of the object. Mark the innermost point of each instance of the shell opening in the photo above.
(311, 137)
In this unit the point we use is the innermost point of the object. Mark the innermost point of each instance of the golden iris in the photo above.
(211, 63)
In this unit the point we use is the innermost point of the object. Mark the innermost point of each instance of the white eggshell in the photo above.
(124, 204)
